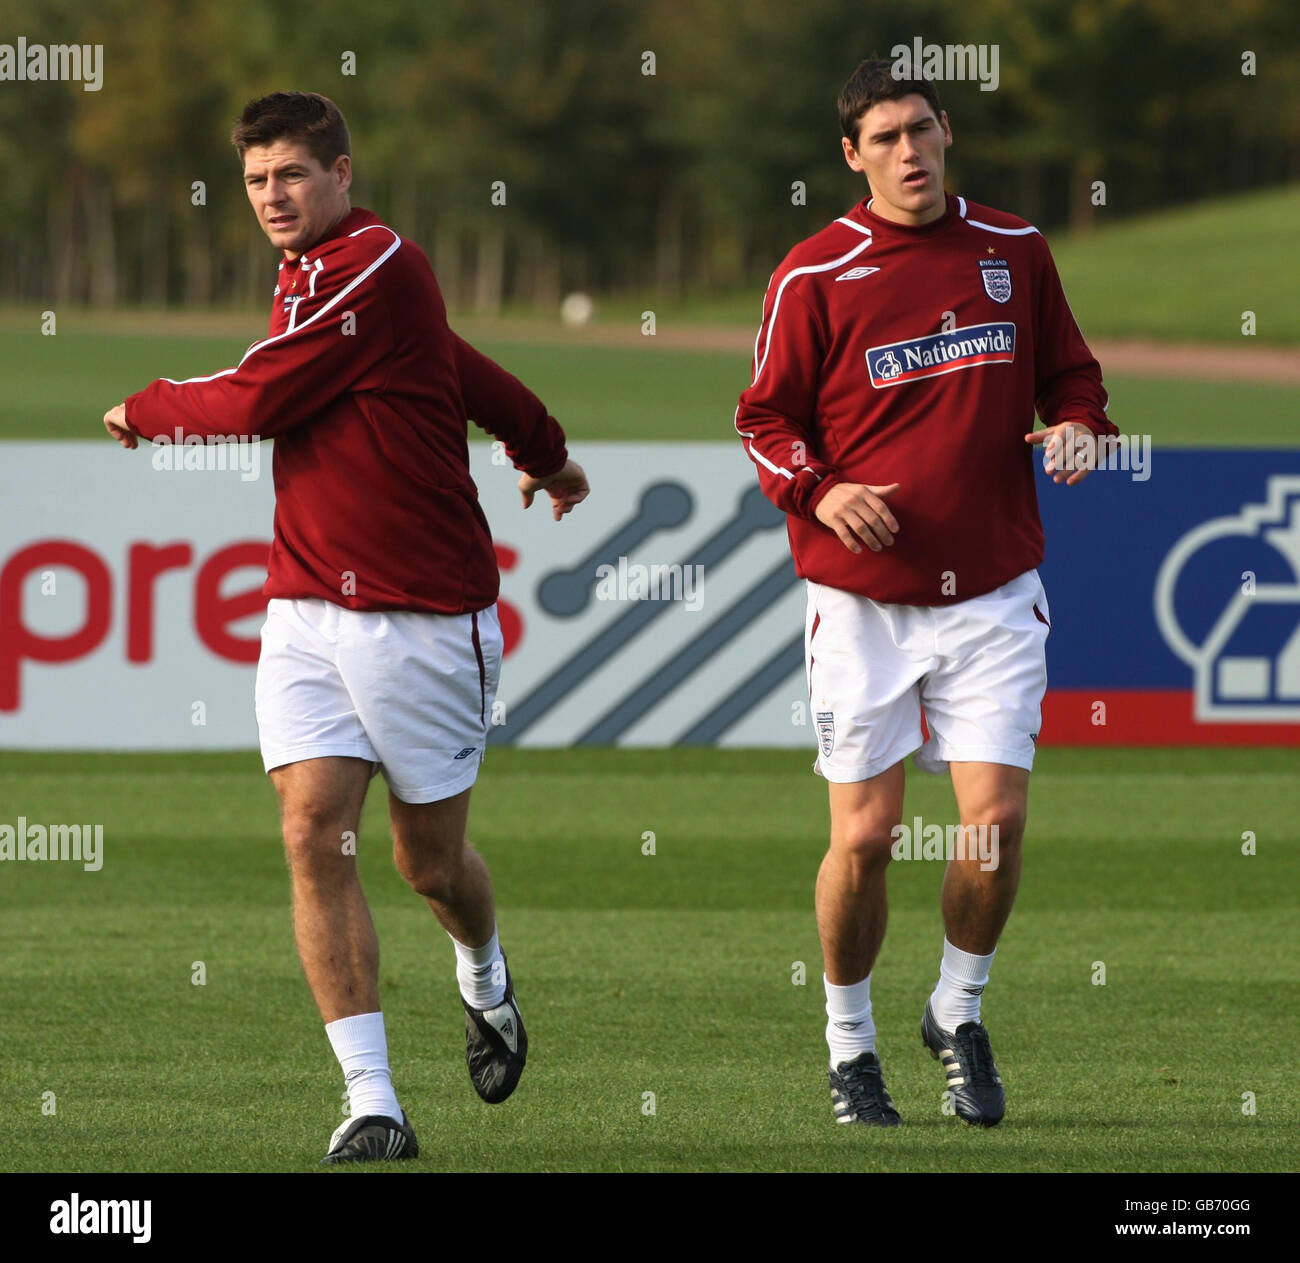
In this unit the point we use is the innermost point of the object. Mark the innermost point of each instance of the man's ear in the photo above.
(850, 154)
(343, 172)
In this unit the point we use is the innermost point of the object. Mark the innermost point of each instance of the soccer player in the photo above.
(382, 646)
(902, 354)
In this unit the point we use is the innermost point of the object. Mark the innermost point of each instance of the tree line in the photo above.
(533, 147)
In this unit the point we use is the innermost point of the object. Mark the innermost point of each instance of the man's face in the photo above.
(296, 200)
(900, 151)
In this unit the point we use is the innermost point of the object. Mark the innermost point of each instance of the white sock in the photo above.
(850, 1030)
(362, 1049)
(482, 981)
(962, 978)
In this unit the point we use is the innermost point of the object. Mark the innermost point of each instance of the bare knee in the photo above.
(434, 879)
(317, 841)
(1003, 819)
(430, 871)
(320, 811)
(863, 840)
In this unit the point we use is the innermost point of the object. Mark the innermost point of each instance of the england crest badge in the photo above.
(826, 730)
(997, 279)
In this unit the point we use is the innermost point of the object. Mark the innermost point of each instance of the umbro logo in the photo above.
(856, 274)
(466, 752)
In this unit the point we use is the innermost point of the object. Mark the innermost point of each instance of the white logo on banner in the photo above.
(1231, 683)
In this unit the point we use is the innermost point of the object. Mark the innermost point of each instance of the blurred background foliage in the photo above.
(617, 180)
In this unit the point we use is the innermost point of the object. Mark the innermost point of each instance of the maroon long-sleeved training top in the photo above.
(366, 392)
(917, 355)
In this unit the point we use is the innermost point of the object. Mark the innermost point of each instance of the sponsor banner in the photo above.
(664, 611)
(936, 353)
(1175, 595)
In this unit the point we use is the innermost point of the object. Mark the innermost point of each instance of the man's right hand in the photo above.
(116, 424)
(567, 487)
(859, 513)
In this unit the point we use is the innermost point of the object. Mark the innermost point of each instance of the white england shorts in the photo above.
(407, 690)
(978, 668)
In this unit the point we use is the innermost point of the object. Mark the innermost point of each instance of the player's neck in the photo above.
(908, 218)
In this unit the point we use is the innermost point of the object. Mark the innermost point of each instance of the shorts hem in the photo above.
(981, 754)
(280, 756)
(865, 771)
(433, 793)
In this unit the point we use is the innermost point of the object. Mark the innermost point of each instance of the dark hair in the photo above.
(307, 117)
(874, 81)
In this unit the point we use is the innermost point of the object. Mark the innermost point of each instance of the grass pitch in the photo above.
(672, 974)
(60, 388)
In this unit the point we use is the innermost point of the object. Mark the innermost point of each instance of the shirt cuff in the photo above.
(828, 480)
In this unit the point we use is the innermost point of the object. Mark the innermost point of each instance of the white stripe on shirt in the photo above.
(338, 298)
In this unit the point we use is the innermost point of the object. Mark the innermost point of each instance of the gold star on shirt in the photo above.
(992, 250)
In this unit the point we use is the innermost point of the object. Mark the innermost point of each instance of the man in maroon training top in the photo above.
(902, 354)
(381, 645)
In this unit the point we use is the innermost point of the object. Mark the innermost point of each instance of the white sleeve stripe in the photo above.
(754, 453)
(850, 224)
(1006, 232)
(315, 272)
(771, 323)
(333, 302)
(789, 276)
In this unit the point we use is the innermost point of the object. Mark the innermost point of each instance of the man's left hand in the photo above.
(1067, 447)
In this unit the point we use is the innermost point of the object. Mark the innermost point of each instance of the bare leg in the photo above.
(977, 902)
(432, 854)
(852, 909)
(320, 814)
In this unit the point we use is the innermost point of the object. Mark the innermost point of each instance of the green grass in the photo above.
(1188, 274)
(1182, 275)
(60, 387)
(680, 962)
